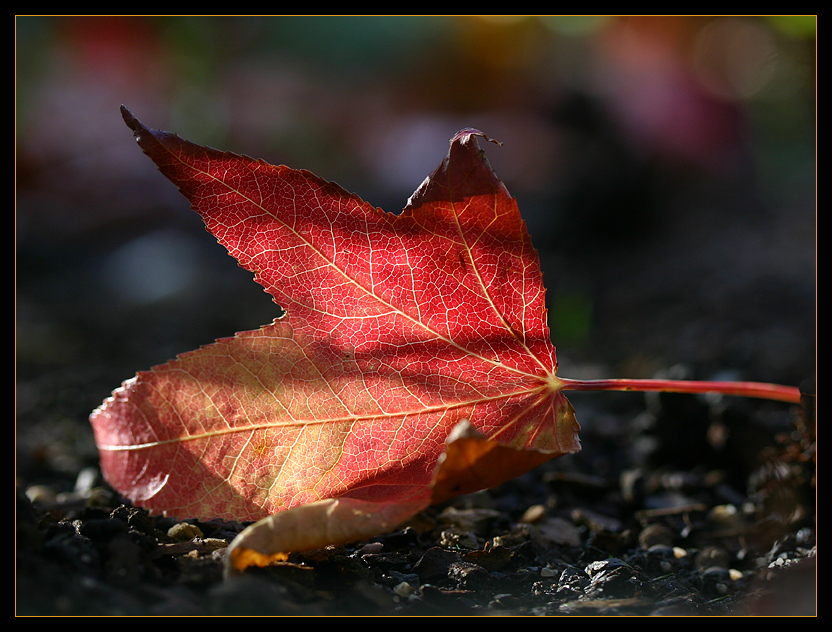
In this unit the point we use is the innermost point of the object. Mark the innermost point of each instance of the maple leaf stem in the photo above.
(789, 394)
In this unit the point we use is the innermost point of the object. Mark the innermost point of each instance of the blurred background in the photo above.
(665, 167)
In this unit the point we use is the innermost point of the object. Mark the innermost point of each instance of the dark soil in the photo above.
(600, 533)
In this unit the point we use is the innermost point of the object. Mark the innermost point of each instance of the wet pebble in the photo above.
(434, 563)
(468, 576)
(612, 578)
(572, 583)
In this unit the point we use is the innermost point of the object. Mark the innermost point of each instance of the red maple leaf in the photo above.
(397, 330)
(396, 327)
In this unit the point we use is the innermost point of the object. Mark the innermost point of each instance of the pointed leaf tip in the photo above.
(465, 134)
(132, 122)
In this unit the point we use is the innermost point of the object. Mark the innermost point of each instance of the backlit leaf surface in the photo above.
(396, 328)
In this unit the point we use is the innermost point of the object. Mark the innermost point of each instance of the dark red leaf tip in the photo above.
(464, 134)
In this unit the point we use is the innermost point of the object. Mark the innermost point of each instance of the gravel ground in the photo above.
(611, 531)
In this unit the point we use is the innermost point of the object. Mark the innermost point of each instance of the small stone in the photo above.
(183, 531)
(533, 514)
(612, 577)
(371, 548)
(404, 589)
(214, 544)
(679, 552)
(572, 582)
(725, 516)
(713, 556)
(40, 494)
(434, 562)
(455, 539)
(468, 576)
(655, 534)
